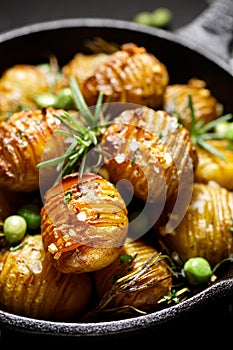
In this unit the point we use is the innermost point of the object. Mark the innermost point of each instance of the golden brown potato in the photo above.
(11, 101)
(28, 79)
(84, 223)
(148, 289)
(82, 66)
(212, 168)
(31, 286)
(22, 144)
(130, 74)
(151, 150)
(206, 107)
(205, 230)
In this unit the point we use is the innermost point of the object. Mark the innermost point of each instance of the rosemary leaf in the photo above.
(98, 106)
(211, 125)
(80, 102)
(206, 146)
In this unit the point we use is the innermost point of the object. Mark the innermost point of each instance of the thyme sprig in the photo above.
(201, 132)
(85, 134)
(130, 283)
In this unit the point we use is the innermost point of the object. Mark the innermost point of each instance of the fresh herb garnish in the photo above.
(201, 132)
(85, 133)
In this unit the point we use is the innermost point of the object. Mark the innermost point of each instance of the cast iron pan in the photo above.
(201, 49)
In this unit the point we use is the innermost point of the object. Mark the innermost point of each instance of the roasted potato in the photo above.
(211, 168)
(151, 150)
(206, 106)
(205, 230)
(81, 67)
(12, 100)
(28, 79)
(151, 286)
(31, 286)
(23, 141)
(84, 223)
(130, 74)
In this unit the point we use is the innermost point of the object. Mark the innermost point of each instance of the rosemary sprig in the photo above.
(84, 134)
(201, 132)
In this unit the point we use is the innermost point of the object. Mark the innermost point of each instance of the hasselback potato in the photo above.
(23, 140)
(12, 100)
(31, 286)
(30, 80)
(205, 230)
(206, 106)
(147, 289)
(152, 151)
(130, 74)
(81, 67)
(84, 223)
(212, 168)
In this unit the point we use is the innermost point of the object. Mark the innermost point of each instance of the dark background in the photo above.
(15, 13)
(206, 325)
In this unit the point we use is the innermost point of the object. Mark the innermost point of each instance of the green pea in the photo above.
(225, 130)
(46, 100)
(64, 99)
(161, 17)
(197, 270)
(31, 213)
(14, 228)
(143, 18)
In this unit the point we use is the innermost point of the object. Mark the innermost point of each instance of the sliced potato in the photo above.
(130, 74)
(206, 228)
(155, 283)
(152, 151)
(206, 106)
(31, 286)
(212, 168)
(84, 223)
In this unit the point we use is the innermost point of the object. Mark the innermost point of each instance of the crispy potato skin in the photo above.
(150, 149)
(212, 168)
(130, 74)
(144, 299)
(205, 229)
(31, 286)
(28, 79)
(11, 101)
(206, 107)
(86, 233)
(23, 138)
(82, 66)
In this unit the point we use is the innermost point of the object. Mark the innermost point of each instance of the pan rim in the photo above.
(33, 326)
(74, 22)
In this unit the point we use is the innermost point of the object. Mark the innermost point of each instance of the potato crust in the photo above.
(28, 79)
(130, 74)
(206, 106)
(212, 168)
(81, 67)
(85, 232)
(151, 150)
(31, 286)
(23, 138)
(205, 229)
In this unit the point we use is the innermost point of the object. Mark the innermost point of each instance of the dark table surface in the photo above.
(206, 325)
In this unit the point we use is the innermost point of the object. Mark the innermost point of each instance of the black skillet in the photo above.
(201, 49)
